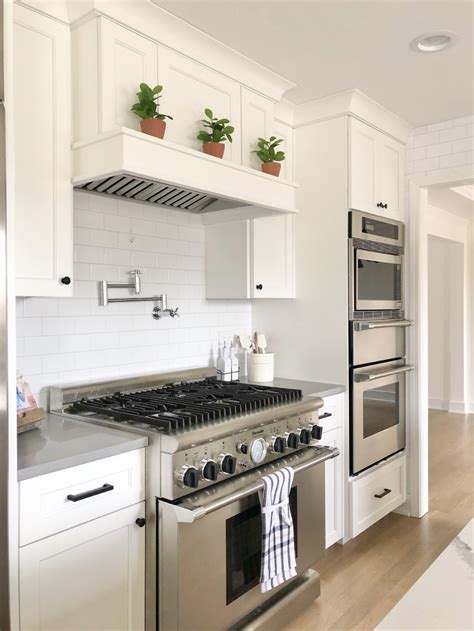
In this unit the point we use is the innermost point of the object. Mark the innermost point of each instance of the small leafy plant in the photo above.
(148, 105)
(267, 149)
(218, 128)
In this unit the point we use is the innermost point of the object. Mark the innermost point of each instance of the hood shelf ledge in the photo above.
(138, 167)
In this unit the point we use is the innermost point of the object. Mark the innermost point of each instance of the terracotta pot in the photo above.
(153, 127)
(215, 149)
(272, 168)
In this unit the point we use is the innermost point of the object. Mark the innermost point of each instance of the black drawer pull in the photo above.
(325, 415)
(383, 494)
(82, 496)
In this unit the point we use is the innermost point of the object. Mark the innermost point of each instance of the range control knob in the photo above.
(305, 436)
(292, 440)
(210, 470)
(277, 445)
(316, 431)
(243, 448)
(189, 476)
(228, 463)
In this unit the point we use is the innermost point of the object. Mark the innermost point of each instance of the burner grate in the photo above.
(179, 406)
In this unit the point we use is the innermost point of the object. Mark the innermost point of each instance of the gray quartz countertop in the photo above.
(309, 388)
(61, 443)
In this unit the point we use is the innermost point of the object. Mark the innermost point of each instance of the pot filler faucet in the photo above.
(135, 286)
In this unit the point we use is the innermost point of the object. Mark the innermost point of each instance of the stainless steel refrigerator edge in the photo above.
(4, 430)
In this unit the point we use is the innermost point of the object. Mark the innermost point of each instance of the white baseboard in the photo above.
(457, 407)
(470, 407)
(438, 404)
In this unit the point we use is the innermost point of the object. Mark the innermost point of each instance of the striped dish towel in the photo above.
(278, 538)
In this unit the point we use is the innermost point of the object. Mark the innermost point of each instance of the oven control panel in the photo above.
(217, 460)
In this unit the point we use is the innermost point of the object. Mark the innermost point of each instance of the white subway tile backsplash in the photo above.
(75, 339)
(431, 138)
(439, 150)
(452, 134)
(463, 144)
(454, 160)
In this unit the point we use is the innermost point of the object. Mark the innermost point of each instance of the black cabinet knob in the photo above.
(66, 280)
(305, 436)
(316, 432)
(191, 477)
(278, 446)
(385, 205)
(210, 471)
(140, 522)
(243, 448)
(228, 464)
(259, 286)
(292, 440)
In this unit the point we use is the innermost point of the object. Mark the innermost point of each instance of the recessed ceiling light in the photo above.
(433, 42)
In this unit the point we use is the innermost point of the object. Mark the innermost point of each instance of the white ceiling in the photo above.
(327, 46)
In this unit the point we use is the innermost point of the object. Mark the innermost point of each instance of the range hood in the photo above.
(132, 165)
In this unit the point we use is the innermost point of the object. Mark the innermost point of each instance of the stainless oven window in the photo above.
(376, 228)
(244, 547)
(381, 409)
(378, 281)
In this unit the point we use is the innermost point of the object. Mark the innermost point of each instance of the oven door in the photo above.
(378, 413)
(209, 545)
(377, 281)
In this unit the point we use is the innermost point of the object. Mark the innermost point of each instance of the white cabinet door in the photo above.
(188, 88)
(390, 170)
(362, 160)
(273, 257)
(376, 171)
(42, 144)
(126, 60)
(334, 477)
(88, 577)
(252, 258)
(257, 122)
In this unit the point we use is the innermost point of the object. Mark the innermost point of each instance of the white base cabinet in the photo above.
(88, 577)
(252, 258)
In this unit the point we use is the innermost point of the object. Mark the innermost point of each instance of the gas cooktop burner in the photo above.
(187, 404)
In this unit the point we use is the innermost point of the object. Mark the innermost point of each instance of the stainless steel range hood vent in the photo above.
(150, 191)
(131, 165)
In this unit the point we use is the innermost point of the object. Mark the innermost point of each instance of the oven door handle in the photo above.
(364, 325)
(184, 515)
(370, 376)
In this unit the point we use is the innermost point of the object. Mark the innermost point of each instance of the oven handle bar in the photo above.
(370, 376)
(364, 325)
(184, 515)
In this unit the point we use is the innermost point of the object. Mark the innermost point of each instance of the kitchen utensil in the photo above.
(255, 342)
(262, 342)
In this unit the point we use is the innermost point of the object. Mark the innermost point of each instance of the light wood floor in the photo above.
(362, 580)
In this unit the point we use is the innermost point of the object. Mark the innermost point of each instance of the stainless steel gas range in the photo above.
(210, 443)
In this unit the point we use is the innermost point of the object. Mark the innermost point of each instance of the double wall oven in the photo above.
(377, 334)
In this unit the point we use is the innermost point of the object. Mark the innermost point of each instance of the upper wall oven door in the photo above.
(377, 281)
(377, 229)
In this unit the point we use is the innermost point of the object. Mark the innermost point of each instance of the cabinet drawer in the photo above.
(334, 406)
(376, 494)
(63, 499)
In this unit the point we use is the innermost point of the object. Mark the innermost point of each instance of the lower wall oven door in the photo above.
(378, 413)
(209, 545)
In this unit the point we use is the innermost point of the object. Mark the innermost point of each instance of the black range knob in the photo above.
(243, 448)
(66, 280)
(191, 477)
(316, 432)
(259, 286)
(228, 464)
(140, 522)
(278, 445)
(293, 440)
(210, 471)
(305, 436)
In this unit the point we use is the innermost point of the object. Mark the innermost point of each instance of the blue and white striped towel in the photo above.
(278, 538)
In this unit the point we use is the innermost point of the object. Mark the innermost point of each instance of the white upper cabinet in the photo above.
(285, 131)
(43, 191)
(188, 88)
(376, 171)
(257, 121)
(250, 258)
(109, 63)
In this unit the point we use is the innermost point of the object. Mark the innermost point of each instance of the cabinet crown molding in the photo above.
(150, 20)
(352, 103)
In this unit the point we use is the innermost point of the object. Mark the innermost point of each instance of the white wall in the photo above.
(75, 339)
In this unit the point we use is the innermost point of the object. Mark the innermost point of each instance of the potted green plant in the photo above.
(148, 110)
(269, 155)
(217, 130)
